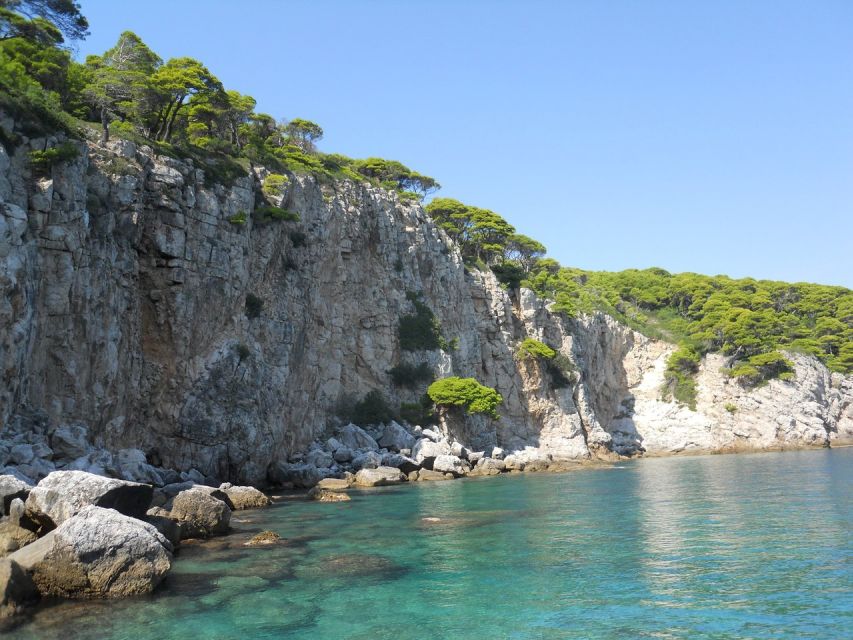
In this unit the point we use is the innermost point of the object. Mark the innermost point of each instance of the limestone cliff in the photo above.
(133, 300)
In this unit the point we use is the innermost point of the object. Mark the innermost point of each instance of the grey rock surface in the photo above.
(98, 553)
(63, 494)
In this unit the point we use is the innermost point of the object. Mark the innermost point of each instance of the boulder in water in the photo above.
(97, 553)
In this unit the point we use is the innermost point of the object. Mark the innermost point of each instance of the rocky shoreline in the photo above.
(77, 533)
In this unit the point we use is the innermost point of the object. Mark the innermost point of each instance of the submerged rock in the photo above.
(264, 538)
(62, 494)
(17, 589)
(97, 553)
(326, 495)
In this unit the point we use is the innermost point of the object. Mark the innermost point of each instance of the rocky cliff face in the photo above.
(131, 303)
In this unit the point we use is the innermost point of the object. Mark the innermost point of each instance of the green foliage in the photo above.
(740, 318)
(418, 412)
(410, 375)
(561, 370)
(680, 376)
(466, 393)
(532, 349)
(267, 213)
(395, 175)
(731, 408)
(274, 185)
(372, 409)
(238, 218)
(254, 306)
(42, 161)
(762, 367)
(420, 330)
(482, 235)
(509, 274)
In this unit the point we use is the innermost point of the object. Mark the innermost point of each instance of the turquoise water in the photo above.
(739, 546)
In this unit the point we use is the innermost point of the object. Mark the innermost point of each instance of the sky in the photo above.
(712, 137)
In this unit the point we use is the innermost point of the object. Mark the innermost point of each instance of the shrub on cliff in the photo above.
(372, 409)
(532, 349)
(679, 377)
(420, 330)
(761, 368)
(409, 375)
(466, 393)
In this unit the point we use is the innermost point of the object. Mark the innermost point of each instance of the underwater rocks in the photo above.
(80, 535)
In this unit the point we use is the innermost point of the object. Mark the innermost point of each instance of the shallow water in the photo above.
(737, 546)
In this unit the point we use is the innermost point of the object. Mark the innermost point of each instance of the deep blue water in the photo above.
(737, 546)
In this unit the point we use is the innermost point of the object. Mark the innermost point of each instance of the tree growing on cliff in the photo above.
(465, 393)
(304, 134)
(118, 82)
(42, 21)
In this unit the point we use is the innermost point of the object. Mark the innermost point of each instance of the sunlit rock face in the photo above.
(132, 300)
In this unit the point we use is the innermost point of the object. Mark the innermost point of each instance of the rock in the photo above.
(213, 492)
(37, 468)
(456, 449)
(325, 495)
(319, 458)
(264, 538)
(450, 464)
(488, 467)
(412, 476)
(22, 454)
(378, 477)
(17, 589)
(355, 437)
(497, 453)
(132, 465)
(403, 463)
(96, 462)
(333, 444)
(475, 456)
(427, 475)
(70, 442)
(395, 437)
(192, 475)
(431, 434)
(97, 553)
(41, 450)
(301, 476)
(11, 488)
(13, 537)
(426, 451)
(169, 528)
(334, 484)
(64, 493)
(367, 460)
(200, 514)
(343, 454)
(247, 498)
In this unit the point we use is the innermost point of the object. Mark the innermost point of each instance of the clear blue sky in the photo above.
(714, 137)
